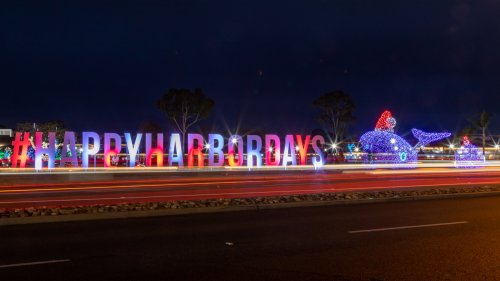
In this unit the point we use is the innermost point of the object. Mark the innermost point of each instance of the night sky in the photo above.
(102, 65)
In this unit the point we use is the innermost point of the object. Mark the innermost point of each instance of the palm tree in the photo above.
(481, 123)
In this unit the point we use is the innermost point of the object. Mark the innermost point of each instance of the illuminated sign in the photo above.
(250, 150)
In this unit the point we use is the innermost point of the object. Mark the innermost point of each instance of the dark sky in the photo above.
(101, 65)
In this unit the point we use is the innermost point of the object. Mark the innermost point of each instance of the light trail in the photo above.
(60, 190)
(173, 169)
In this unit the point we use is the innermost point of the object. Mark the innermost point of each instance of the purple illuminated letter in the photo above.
(319, 160)
(133, 148)
(49, 150)
(175, 153)
(213, 149)
(69, 141)
(235, 140)
(289, 151)
(86, 151)
(254, 151)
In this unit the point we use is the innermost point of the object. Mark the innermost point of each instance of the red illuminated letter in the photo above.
(302, 147)
(195, 151)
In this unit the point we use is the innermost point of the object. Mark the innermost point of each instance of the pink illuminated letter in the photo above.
(22, 145)
(270, 150)
(108, 152)
(158, 150)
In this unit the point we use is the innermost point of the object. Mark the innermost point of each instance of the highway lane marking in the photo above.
(33, 263)
(406, 227)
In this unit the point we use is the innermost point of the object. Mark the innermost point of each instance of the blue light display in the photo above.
(383, 146)
(468, 155)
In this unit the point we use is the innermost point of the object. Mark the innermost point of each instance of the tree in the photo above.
(481, 123)
(465, 131)
(185, 108)
(150, 127)
(51, 126)
(338, 108)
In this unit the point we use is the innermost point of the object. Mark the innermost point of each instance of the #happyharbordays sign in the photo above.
(213, 147)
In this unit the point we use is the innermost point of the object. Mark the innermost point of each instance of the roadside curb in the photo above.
(231, 208)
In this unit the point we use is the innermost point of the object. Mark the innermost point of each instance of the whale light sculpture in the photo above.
(383, 145)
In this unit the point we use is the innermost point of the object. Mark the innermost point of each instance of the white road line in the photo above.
(33, 263)
(406, 227)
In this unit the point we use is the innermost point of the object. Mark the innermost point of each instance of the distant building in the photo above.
(5, 137)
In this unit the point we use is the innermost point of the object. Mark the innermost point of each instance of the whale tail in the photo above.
(426, 138)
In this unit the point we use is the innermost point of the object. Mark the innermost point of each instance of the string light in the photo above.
(386, 122)
(468, 156)
(387, 147)
(382, 145)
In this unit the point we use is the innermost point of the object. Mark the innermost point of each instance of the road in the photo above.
(449, 239)
(89, 189)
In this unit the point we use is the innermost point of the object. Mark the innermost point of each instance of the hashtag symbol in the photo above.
(23, 144)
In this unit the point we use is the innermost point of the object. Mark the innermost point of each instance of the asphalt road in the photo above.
(452, 239)
(89, 189)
